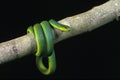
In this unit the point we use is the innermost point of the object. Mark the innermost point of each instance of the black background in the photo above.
(92, 55)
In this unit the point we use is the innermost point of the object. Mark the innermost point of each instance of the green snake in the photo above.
(45, 44)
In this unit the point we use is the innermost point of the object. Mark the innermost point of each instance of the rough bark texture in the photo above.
(79, 23)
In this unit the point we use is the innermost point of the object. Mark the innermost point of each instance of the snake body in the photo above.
(45, 44)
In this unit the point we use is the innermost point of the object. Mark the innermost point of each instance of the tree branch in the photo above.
(79, 23)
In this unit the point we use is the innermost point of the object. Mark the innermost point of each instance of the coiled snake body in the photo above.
(45, 45)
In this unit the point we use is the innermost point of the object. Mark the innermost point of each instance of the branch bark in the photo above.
(79, 23)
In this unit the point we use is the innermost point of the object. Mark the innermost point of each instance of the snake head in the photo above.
(64, 28)
(59, 26)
